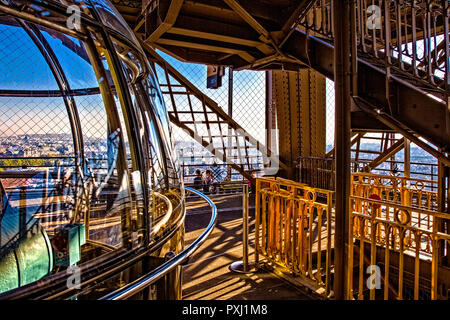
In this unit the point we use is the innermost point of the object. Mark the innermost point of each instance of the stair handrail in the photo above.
(138, 285)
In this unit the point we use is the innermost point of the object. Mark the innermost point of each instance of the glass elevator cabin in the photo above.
(91, 196)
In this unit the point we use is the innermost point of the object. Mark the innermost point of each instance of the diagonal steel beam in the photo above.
(169, 21)
(218, 154)
(247, 17)
(355, 137)
(392, 150)
(400, 128)
(220, 113)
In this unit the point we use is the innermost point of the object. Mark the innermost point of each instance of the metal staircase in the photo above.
(208, 124)
(402, 77)
(403, 51)
(401, 54)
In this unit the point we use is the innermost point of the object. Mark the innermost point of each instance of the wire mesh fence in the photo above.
(249, 99)
(244, 94)
(330, 115)
(422, 164)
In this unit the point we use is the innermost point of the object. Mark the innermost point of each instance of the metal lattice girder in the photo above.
(395, 74)
(235, 32)
(417, 110)
(208, 124)
(300, 100)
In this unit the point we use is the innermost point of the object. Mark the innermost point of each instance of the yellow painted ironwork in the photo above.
(397, 232)
(378, 224)
(406, 191)
(293, 227)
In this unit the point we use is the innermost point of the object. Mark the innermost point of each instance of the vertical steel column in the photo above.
(230, 113)
(244, 266)
(446, 14)
(245, 225)
(443, 206)
(407, 159)
(269, 110)
(342, 64)
(446, 260)
(446, 193)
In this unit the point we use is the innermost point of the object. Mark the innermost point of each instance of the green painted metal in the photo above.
(25, 255)
(67, 244)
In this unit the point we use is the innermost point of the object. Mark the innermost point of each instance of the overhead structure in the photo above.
(402, 63)
(246, 35)
(208, 124)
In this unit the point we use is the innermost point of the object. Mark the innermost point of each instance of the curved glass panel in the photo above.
(86, 169)
(21, 63)
(154, 91)
(65, 195)
(146, 137)
(73, 58)
(164, 190)
(112, 18)
(162, 118)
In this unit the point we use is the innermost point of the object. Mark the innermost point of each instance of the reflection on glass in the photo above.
(64, 197)
(86, 167)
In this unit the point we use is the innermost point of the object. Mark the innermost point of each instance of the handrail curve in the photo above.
(150, 278)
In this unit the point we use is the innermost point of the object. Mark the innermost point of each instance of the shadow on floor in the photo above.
(207, 275)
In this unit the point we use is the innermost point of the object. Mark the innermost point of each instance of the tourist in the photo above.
(198, 181)
(208, 182)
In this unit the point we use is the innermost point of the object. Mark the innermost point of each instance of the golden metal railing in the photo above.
(405, 191)
(293, 228)
(398, 239)
(390, 236)
(408, 37)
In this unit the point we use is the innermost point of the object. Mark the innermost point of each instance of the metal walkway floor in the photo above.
(207, 275)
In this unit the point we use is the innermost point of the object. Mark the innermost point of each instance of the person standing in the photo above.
(207, 181)
(198, 181)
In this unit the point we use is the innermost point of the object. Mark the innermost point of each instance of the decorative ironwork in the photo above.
(410, 37)
(293, 228)
(392, 236)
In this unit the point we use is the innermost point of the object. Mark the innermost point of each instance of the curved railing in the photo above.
(150, 278)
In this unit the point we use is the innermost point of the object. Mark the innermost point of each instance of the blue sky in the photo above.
(23, 67)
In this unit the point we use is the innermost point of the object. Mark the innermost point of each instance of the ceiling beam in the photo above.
(243, 54)
(247, 17)
(171, 17)
(266, 12)
(193, 56)
(264, 48)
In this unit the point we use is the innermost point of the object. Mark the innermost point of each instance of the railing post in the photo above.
(230, 113)
(244, 266)
(245, 224)
(257, 221)
(443, 206)
(407, 159)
